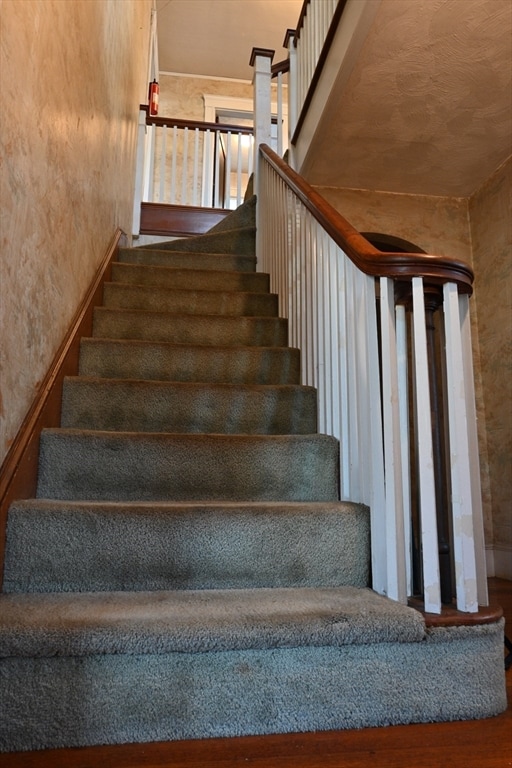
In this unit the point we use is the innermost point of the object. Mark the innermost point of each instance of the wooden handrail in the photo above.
(198, 125)
(371, 261)
(280, 67)
(302, 16)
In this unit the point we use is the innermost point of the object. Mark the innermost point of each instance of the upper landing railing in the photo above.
(191, 163)
(308, 46)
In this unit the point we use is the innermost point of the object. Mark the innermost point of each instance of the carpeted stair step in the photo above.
(162, 361)
(190, 279)
(239, 240)
(130, 296)
(201, 621)
(132, 466)
(218, 330)
(56, 546)
(144, 406)
(107, 668)
(154, 256)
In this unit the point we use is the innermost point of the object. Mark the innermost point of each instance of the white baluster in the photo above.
(226, 202)
(195, 177)
(208, 170)
(152, 150)
(173, 163)
(184, 168)
(239, 170)
(163, 160)
(463, 534)
(474, 458)
(425, 460)
(403, 406)
(396, 574)
(217, 169)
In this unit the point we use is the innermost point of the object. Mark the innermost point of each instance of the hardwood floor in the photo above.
(469, 744)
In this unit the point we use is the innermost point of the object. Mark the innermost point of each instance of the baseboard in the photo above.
(18, 475)
(499, 562)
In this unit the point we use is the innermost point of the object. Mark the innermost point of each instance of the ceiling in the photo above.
(216, 37)
(425, 107)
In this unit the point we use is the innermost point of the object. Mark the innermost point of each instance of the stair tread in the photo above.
(61, 546)
(209, 316)
(166, 360)
(182, 327)
(174, 277)
(168, 406)
(206, 260)
(136, 266)
(230, 387)
(119, 285)
(198, 621)
(234, 349)
(153, 466)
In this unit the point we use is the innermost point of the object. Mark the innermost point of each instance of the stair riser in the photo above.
(70, 701)
(136, 467)
(189, 279)
(183, 260)
(189, 329)
(165, 362)
(241, 241)
(182, 547)
(121, 296)
(151, 407)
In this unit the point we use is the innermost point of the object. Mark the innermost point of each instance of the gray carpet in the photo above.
(187, 569)
(78, 546)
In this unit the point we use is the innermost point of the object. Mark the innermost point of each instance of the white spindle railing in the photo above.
(191, 164)
(311, 33)
(359, 364)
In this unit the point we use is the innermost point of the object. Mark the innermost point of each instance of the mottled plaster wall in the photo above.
(491, 231)
(438, 225)
(182, 96)
(72, 77)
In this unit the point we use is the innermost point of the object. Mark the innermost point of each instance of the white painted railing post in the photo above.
(289, 43)
(261, 60)
(139, 172)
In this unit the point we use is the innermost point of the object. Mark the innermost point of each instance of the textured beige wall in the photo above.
(182, 96)
(72, 77)
(439, 225)
(491, 230)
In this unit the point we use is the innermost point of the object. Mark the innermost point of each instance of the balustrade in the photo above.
(399, 400)
(191, 163)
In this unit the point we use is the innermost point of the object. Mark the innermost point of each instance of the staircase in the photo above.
(187, 569)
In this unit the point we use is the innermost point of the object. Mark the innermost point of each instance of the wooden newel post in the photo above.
(261, 60)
